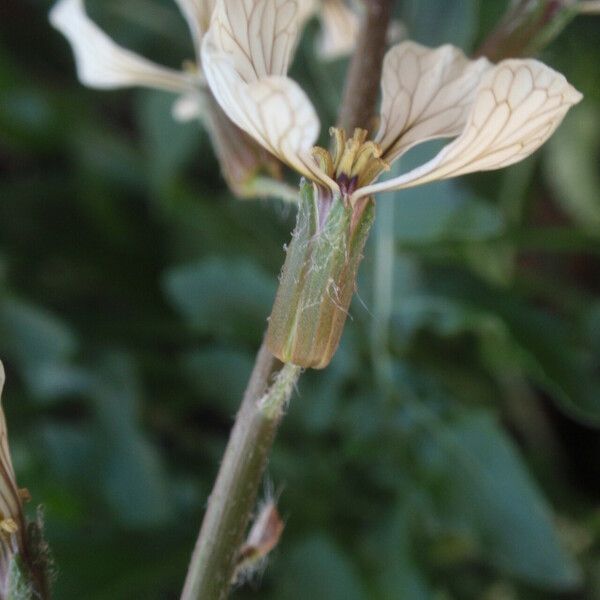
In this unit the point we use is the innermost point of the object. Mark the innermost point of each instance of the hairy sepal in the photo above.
(318, 278)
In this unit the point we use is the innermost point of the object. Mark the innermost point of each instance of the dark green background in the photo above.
(134, 290)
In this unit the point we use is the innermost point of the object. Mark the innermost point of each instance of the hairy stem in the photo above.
(234, 494)
(362, 82)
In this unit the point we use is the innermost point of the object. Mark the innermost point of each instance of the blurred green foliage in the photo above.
(134, 290)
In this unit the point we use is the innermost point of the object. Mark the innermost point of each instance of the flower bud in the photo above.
(24, 561)
(318, 278)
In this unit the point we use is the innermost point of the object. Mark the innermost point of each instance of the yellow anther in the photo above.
(368, 163)
(324, 160)
(9, 525)
(345, 163)
(339, 144)
(354, 160)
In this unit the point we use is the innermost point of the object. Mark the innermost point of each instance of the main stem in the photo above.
(364, 74)
(234, 494)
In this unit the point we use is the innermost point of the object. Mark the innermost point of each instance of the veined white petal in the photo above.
(339, 32)
(101, 63)
(273, 110)
(426, 94)
(245, 56)
(258, 36)
(197, 13)
(517, 107)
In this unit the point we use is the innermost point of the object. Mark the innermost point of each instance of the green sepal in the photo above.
(318, 278)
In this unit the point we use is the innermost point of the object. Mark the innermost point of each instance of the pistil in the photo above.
(352, 162)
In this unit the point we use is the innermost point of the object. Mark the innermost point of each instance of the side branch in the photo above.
(364, 73)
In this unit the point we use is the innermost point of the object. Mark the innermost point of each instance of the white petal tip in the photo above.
(574, 96)
(516, 107)
(103, 64)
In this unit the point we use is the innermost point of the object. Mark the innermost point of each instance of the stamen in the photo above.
(339, 144)
(346, 161)
(353, 162)
(323, 159)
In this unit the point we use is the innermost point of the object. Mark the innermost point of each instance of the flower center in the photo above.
(352, 162)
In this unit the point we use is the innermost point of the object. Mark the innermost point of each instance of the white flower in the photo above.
(103, 64)
(499, 114)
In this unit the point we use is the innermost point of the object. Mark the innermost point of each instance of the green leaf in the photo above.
(444, 211)
(325, 388)
(224, 298)
(315, 568)
(102, 156)
(391, 552)
(485, 487)
(168, 144)
(68, 449)
(118, 564)
(458, 25)
(219, 375)
(133, 479)
(40, 345)
(32, 336)
(442, 315)
(27, 116)
(135, 485)
(55, 380)
(572, 166)
(546, 347)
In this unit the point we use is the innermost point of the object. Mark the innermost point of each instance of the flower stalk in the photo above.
(213, 564)
(362, 81)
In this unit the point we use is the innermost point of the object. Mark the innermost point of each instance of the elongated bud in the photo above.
(23, 553)
(318, 278)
